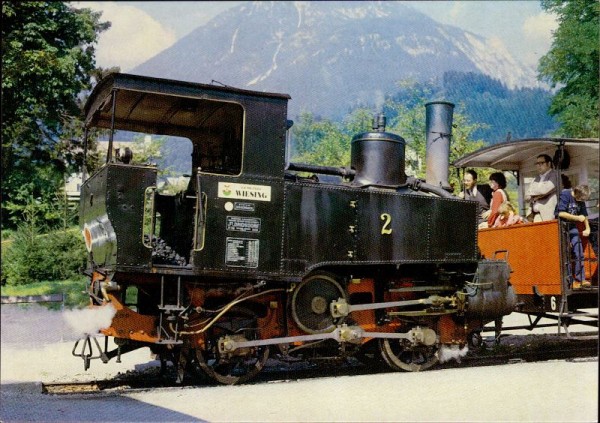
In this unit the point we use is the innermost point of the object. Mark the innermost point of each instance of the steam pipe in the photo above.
(323, 170)
(418, 185)
(411, 182)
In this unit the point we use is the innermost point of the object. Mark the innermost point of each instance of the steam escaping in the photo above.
(90, 320)
(452, 352)
(379, 101)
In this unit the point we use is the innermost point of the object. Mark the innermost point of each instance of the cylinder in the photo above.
(438, 132)
(378, 157)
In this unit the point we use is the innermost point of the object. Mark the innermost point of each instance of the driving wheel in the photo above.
(311, 300)
(240, 365)
(400, 354)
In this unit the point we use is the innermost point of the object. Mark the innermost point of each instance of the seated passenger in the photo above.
(497, 183)
(471, 193)
(571, 208)
(507, 216)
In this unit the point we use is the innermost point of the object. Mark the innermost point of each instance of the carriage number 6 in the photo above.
(386, 230)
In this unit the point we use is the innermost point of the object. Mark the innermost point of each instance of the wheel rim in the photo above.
(400, 355)
(235, 369)
(310, 303)
(231, 372)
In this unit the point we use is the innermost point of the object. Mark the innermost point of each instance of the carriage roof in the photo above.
(520, 154)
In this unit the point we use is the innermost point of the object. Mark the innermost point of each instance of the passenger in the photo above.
(507, 215)
(471, 193)
(571, 208)
(542, 191)
(497, 184)
(565, 182)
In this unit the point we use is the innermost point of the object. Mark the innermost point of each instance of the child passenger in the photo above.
(507, 216)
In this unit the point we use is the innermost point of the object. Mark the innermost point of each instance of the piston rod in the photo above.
(341, 334)
(341, 308)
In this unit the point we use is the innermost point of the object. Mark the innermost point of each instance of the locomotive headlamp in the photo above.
(97, 233)
(87, 236)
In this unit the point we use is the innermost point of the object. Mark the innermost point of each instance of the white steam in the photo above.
(453, 352)
(90, 320)
(379, 101)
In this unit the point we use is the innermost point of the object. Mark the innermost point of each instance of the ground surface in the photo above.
(36, 347)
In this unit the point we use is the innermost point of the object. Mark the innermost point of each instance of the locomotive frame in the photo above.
(254, 258)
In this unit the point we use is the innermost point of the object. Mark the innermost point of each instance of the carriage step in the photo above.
(580, 314)
(584, 290)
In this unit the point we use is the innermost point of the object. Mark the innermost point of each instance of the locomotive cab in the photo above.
(237, 150)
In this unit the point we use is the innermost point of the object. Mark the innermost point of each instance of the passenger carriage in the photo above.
(539, 253)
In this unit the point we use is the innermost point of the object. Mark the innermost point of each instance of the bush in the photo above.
(32, 257)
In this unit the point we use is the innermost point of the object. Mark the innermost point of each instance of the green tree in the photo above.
(319, 141)
(573, 64)
(306, 134)
(47, 58)
(330, 141)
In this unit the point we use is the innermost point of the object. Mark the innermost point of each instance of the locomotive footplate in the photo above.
(342, 333)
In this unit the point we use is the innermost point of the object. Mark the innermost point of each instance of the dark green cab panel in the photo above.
(243, 223)
(112, 212)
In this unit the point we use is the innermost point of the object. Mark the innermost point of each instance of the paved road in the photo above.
(524, 392)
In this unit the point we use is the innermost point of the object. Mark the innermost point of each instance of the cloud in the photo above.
(133, 37)
(457, 12)
(537, 32)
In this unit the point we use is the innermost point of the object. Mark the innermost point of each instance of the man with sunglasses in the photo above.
(542, 191)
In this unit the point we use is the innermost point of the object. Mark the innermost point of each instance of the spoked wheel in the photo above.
(400, 354)
(240, 365)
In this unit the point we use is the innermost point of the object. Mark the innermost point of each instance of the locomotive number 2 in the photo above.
(387, 221)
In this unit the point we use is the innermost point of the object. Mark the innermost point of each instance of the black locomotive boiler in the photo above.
(260, 257)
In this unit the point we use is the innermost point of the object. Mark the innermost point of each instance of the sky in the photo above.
(142, 29)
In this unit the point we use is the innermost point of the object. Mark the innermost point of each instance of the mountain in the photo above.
(330, 56)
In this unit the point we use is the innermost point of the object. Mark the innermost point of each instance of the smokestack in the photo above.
(438, 131)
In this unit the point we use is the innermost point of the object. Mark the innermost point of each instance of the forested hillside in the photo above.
(522, 112)
(503, 112)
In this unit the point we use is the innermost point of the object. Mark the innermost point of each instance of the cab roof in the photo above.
(160, 105)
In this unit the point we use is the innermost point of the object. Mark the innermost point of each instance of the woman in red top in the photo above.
(497, 183)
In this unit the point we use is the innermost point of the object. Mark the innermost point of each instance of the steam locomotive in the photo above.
(261, 257)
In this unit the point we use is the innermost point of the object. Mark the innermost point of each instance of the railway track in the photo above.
(511, 349)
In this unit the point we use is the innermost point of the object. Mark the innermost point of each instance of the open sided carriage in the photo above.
(540, 253)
